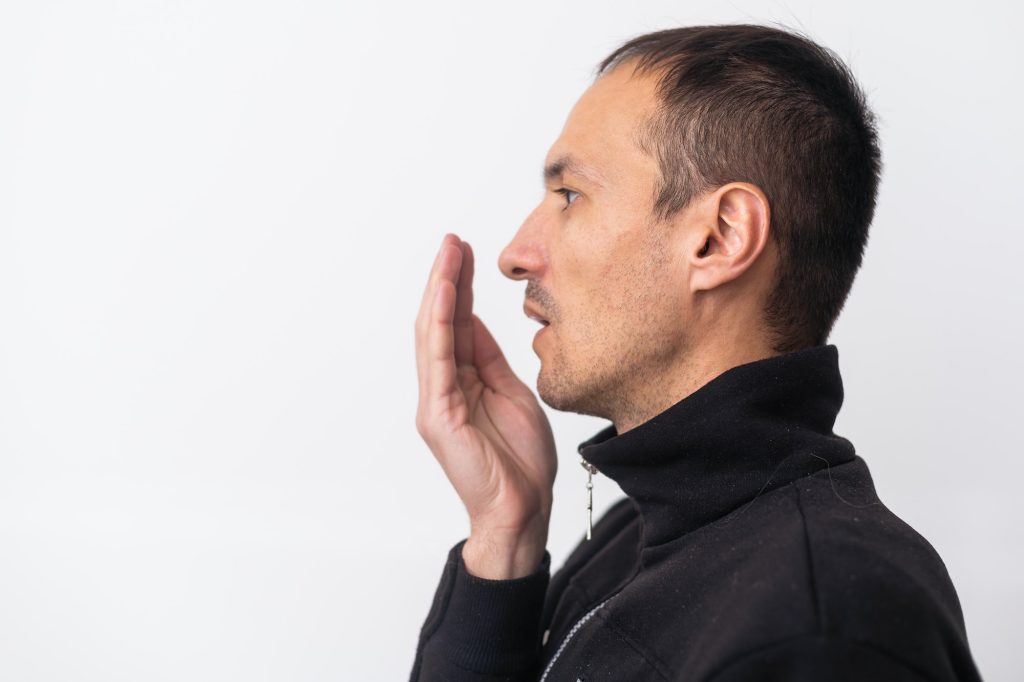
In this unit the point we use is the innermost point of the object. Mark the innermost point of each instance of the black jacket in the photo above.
(751, 546)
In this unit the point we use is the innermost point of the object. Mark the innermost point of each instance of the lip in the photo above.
(535, 314)
(538, 335)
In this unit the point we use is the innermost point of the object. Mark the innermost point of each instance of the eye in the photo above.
(565, 192)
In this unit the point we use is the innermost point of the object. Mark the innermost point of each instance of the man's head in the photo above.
(706, 204)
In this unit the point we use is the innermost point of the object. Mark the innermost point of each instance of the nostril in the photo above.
(518, 271)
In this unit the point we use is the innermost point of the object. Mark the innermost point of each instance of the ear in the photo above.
(731, 235)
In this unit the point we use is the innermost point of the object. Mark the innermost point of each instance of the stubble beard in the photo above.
(564, 388)
(599, 381)
(610, 376)
(617, 374)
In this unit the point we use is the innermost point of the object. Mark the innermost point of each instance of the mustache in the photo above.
(542, 298)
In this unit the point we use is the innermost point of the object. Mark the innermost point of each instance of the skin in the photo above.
(642, 313)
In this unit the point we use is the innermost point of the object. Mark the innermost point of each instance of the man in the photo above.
(706, 209)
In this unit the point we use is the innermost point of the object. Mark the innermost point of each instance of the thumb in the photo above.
(490, 361)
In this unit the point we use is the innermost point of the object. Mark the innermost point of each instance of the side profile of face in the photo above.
(615, 285)
(595, 262)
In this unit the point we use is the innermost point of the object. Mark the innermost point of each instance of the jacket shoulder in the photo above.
(818, 557)
(865, 560)
(875, 579)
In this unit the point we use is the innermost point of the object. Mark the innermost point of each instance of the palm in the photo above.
(483, 424)
(515, 464)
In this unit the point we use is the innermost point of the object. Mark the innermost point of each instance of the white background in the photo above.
(216, 219)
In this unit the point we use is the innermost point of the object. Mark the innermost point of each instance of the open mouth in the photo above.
(535, 315)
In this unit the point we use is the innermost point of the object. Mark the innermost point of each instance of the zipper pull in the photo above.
(591, 470)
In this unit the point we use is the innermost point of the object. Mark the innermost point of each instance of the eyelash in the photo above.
(564, 191)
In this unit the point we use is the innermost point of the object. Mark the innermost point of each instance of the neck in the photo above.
(753, 428)
(686, 373)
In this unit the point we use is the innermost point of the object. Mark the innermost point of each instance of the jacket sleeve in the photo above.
(479, 629)
(818, 657)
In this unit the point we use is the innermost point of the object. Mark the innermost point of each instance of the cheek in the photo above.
(617, 284)
(640, 293)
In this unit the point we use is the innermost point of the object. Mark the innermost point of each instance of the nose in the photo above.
(525, 256)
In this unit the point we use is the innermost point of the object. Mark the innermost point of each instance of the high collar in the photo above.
(753, 428)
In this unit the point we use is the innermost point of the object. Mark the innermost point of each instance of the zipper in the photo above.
(591, 470)
(580, 623)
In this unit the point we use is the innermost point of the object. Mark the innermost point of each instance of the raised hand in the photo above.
(484, 426)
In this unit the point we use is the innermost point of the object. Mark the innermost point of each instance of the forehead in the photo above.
(600, 128)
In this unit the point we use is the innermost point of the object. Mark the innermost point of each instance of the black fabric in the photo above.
(751, 546)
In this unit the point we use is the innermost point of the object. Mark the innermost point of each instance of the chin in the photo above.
(565, 393)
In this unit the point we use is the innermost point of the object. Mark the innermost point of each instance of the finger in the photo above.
(440, 356)
(423, 317)
(428, 291)
(490, 362)
(463, 321)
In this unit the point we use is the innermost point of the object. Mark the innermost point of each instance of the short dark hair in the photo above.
(771, 107)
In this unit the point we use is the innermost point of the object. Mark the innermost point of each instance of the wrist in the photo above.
(503, 554)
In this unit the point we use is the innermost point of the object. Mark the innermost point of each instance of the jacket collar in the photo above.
(753, 428)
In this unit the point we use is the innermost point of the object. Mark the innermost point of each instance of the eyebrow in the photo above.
(569, 163)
